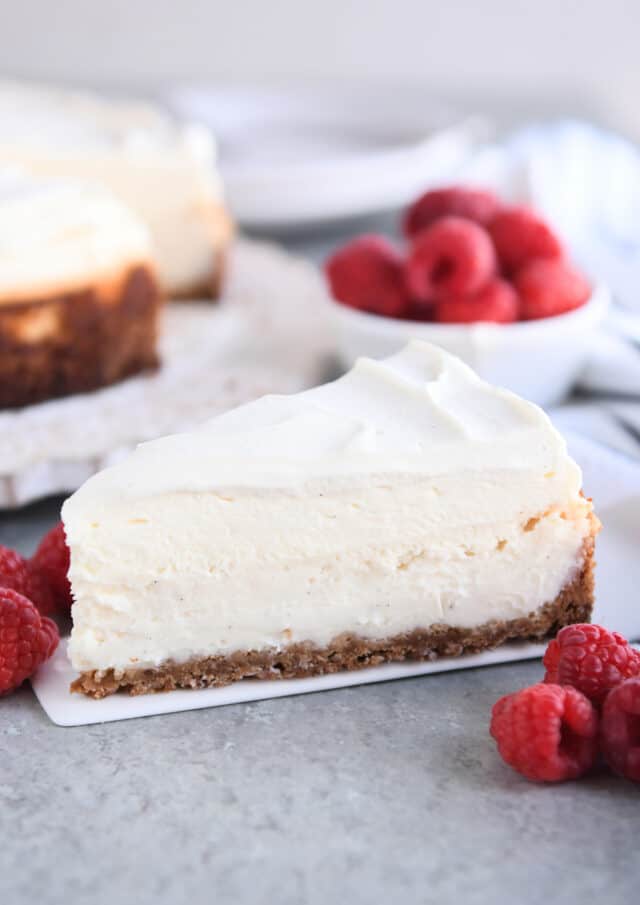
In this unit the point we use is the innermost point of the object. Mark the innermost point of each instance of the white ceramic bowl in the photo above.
(539, 360)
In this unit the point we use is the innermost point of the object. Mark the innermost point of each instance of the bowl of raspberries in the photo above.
(489, 282)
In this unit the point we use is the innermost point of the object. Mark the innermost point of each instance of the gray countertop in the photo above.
(382, 793)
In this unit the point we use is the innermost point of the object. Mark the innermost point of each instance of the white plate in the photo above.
(214, 358)
(618, 578)
(309, 155)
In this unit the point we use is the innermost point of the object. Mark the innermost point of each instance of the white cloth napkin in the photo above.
(609, 477)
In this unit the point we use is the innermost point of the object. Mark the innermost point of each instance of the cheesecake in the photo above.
(165, 171)
(79, 296)
(406, 511)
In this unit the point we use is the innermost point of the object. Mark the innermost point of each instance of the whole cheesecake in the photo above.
(79, 297)
(163, 170)
(408, 510)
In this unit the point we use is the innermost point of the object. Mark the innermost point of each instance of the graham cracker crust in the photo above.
(350, 652)
(79, 340)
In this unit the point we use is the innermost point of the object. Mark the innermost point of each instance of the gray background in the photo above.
(379, 794)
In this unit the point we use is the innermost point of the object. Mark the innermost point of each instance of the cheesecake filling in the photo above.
(375, 564)
(407, 494)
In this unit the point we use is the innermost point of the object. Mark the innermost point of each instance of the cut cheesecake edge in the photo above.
(349, 651)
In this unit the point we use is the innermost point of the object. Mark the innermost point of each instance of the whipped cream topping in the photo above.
(407, 493)
(56, 237)
(163, 170)
(420, 412)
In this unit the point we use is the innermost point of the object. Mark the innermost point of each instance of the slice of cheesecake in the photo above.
(408, 510)
(162, 169)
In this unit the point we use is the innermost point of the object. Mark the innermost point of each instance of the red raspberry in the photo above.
(455, 201)
(546, 732)
(50, 563)
(16, 573)
(26, 639)
(40, 591)
(419, 311)
(50, 629)
(591, 659)
(368, 274)
(547, 288)
(496, 301)
(520, 236)
(451, 257)
(620, 731)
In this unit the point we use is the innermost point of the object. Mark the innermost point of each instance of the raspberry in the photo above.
(546, 732)
(16, 573)
(620, 733)
(547, 288)
(50, 565)
(50, 629)
(368, 274)
(591, 659)
(455, 201)
(40, 591)
(496, 301)
(26, 639)
(520, 236)
(451, 257)
(419, 311)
